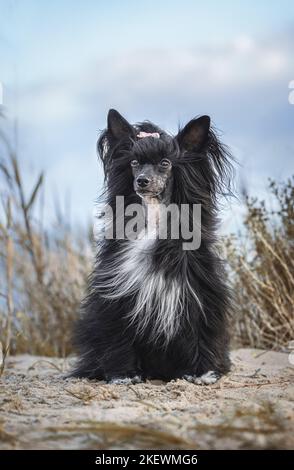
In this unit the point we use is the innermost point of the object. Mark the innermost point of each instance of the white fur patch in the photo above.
(208, 378)
(126, 380)
(159, 299)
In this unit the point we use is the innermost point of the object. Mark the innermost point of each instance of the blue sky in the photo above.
(65, 63)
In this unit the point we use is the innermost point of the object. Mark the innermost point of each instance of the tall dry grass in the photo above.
(261, 264)
(42, 272)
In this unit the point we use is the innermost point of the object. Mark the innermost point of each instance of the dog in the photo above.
(154, 310)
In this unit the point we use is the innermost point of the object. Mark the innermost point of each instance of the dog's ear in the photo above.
(118, 127)
(195, 134)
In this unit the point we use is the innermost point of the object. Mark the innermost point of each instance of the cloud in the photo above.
(190, 71)
(136, 78)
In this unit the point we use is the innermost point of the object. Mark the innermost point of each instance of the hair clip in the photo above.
(141, 135)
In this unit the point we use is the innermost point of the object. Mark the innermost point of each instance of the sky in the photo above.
(63, 64)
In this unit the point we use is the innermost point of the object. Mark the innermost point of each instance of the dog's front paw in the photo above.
(125, 380)
(208, 378)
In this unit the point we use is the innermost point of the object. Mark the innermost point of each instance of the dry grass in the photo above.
(42, 272)
(262, 271)
(252, 426)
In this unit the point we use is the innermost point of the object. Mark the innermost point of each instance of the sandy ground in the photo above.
(252, 407)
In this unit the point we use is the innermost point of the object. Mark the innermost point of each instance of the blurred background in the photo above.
(63, 64)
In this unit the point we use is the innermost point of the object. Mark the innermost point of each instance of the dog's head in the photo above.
(154, 162)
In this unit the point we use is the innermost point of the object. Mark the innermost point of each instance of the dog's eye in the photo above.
(134, 163)
(165, 163)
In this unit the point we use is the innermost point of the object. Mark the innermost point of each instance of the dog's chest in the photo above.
(159, 298)
(137, 258)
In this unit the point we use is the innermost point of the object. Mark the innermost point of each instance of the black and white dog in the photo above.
(154, 309)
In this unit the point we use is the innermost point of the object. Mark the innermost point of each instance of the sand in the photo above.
(252, 407)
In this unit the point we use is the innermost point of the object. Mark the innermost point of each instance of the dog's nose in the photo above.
(143, 181)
